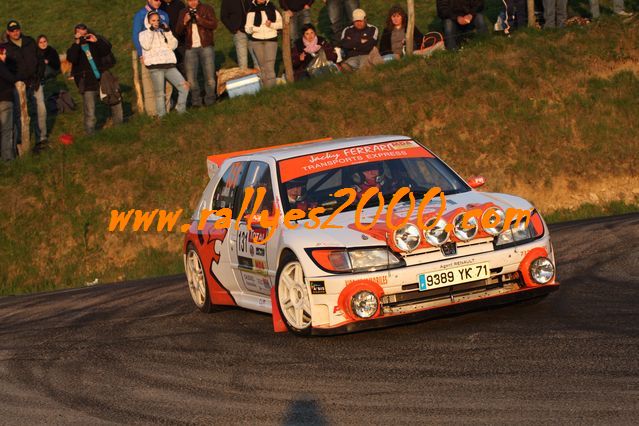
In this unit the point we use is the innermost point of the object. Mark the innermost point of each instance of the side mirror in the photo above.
(476, 181)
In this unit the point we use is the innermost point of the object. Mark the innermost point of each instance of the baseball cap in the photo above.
(13, 25)
(359, 15)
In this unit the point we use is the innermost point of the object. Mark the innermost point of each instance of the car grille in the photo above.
(412, 299)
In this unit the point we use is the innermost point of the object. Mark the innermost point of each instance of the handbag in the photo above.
(320, 65)
(431, 42)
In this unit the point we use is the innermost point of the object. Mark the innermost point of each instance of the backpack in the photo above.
(110, 89)
(60, 102)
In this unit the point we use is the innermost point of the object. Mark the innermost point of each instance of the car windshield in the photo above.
(315, 189)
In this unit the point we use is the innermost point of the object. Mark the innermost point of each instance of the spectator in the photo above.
(90, 55)
(158, 44)
(555, 13)
(7, 80)
(617, 7)
(517, 14)
(48, 60)
(338, 13)
(173, 9)
(233, 16)
(262, 23)
(307, 48)
(138, 27)
(299, 12)
(359, 42)
(197, 23)
(22, 60)
(393, 38)
(459, 16)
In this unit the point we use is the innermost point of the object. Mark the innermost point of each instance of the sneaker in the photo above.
(624, 14)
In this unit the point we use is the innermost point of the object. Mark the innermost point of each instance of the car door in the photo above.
(250, 259)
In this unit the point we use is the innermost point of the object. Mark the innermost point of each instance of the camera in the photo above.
(163, 27)
(84, 39)
(193, 14)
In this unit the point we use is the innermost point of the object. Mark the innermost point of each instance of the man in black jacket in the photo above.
(299, 11)
(233, 16)
(359, 42)
(90, 56)
(459, 16)
(22, 60)
(7, 81)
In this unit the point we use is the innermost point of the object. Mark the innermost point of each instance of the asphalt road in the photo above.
(140, 353)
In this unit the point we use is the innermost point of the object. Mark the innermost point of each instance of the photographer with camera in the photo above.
(138, 26)
(158, 44)
(197, 22)
(91, 56)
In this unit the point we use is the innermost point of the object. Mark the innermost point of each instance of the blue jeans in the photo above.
(192, 60)
(297, 22)
(240, 40)
(555, 13)
(89, 99)
(617, 6)
(7, 147)
(452, 30)
(158, 77)
(33, 97)
(340, 13)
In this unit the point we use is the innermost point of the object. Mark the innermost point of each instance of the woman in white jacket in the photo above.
(262, 22)
(158, 44)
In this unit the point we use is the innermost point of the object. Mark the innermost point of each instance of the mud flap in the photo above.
(278, 323)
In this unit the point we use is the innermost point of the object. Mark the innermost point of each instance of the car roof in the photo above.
(281, 152)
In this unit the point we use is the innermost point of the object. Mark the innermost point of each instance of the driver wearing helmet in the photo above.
(296, 194)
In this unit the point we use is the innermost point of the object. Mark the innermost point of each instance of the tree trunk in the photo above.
(25, 145)
(286, 48)
(410, 27)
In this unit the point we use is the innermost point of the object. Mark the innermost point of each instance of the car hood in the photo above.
(347, 235)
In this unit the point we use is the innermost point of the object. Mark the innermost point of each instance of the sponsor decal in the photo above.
(317, 287)
(380, 279)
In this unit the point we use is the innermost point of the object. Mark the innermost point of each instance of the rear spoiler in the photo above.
(214, 162)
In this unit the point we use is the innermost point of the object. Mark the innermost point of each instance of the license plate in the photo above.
(452, 276)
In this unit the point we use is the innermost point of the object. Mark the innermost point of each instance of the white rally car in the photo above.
(322, 265)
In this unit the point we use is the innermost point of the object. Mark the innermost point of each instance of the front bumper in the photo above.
(450, 309)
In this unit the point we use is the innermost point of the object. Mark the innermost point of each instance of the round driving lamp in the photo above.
(542, 270)
(494, 218)
(364, 304)
(407, 237)
(436, 233)
(465, 234)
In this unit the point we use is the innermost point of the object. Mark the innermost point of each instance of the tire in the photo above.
(196, 279)
(293, 299)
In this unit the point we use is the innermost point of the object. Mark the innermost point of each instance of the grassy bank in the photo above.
(550, 116)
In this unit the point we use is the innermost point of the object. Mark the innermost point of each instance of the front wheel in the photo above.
(196, 278)
(293, 299)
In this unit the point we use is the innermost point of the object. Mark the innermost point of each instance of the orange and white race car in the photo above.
(334, 236)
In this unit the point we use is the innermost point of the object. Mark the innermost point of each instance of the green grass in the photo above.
(527, 112)
(589, 210)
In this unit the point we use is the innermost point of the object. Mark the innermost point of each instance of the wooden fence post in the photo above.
(532, 20)
(25, 141)
(136, 83)
(410, 27)
(286, 48)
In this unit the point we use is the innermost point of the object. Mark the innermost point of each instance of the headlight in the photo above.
(364, 304)
(372, 259)
(493, 221)
(356, 260)
(436, 234)
(407, 237)
(542, 270)
(521, 232)
(468, 233)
